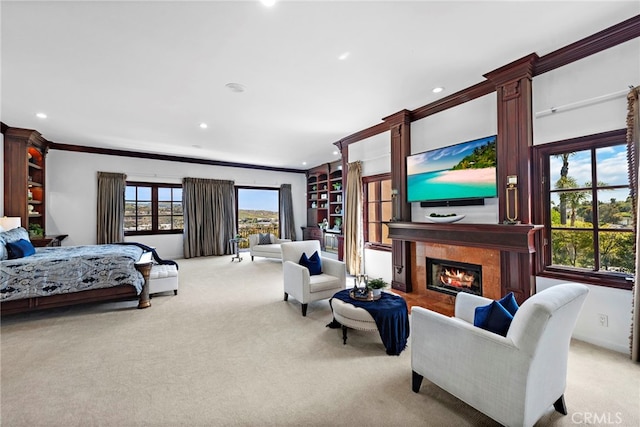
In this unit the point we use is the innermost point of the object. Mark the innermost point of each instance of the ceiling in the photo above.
(143, 76)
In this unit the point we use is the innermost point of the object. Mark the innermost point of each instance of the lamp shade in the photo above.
(9, 222)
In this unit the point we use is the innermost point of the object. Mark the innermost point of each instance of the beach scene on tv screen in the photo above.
(461, 171)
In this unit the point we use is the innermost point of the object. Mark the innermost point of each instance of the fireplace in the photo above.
(451, 277)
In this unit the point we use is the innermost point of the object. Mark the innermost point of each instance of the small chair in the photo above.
(513, 379)
(300, 284)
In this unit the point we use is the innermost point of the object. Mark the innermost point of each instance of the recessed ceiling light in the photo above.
(335, 153)
(344, 56)
(268, 3)
(41, 115)
(437, 89)
(203, 126)
(236, 87)
(304, 163)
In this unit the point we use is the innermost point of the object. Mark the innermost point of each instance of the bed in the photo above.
(66, 275)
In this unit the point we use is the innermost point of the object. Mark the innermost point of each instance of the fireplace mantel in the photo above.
(516, 245)
(512, 238)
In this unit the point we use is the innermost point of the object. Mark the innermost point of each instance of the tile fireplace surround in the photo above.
(505, 253)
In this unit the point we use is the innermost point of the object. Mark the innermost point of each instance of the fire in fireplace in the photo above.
(451, 277)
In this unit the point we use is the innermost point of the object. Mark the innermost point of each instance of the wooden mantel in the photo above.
(517, 245)
(514, 238)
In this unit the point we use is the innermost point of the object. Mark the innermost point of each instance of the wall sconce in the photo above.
(512, 199)
(394, 205)
(10, 222)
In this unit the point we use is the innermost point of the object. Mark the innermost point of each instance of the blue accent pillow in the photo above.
(264, 239)
(493, 317)
(509, 303)
(313, 263)
(11, 236)
(20, 249)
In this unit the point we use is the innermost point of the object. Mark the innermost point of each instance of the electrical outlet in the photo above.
(604, 320)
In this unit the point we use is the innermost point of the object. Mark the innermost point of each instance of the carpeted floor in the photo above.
(227, 350)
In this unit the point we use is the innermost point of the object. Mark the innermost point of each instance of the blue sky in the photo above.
(611, 167)
(251, 199)
(442, 158)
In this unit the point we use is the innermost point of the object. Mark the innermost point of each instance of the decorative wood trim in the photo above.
(154, 156)
(476, 91)
(514, 238)
(363, 134)
(595, 43)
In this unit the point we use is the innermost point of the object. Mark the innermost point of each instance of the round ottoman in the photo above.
(350, 316)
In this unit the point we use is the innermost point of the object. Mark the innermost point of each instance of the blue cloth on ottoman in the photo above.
(391, 316)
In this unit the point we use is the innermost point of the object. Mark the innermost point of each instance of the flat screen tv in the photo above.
(465, 171)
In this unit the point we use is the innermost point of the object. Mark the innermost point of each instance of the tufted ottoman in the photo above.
(163, 278)
(350, 316)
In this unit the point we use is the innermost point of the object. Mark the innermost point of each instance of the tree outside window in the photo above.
(589, 220)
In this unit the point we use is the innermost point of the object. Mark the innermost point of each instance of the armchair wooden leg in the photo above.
(304, 310)
(344, 335)
(286, 296)
(251, 257)
(416, 381)
(560, 406)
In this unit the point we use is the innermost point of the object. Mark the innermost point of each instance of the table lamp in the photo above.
(9, 223)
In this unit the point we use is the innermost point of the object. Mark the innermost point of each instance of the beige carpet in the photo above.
(227, 350)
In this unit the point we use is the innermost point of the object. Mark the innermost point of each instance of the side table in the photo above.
(234, 244)
(144, 267)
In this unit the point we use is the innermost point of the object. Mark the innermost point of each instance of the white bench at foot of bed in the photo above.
(163, 278)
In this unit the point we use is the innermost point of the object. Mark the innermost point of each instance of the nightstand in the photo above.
(53, 240)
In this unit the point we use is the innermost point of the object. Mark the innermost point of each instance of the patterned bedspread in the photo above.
(66, 269)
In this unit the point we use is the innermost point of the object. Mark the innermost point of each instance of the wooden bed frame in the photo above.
(124, 292)
(116, 293)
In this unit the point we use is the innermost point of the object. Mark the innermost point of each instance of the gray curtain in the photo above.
(209, 216)
(353, 233)
(111, 187)
(288, 226)
(633, 149)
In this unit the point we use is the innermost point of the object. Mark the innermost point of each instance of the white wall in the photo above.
(72, 192)
(613, 303)
(596, 76)
(471, 120)
(591, 78)
(375, 155)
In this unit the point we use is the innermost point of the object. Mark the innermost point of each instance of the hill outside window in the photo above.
(153, 208)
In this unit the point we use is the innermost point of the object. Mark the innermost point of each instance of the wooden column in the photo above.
(515, 138)
(400, 126)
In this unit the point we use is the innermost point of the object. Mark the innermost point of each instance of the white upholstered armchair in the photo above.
(300, 284)
(513, 379)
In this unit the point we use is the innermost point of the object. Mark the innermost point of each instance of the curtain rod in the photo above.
(583, 103)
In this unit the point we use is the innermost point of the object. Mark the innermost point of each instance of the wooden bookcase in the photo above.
(25, 153)
(325, 200)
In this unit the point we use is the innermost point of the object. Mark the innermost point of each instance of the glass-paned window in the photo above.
(589, 225)
(152, 208)
(258, 212)
(378, 209)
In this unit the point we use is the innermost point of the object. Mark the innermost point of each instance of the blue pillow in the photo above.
(313, 263)
(20, 248)
(493, 317)
(264, 238)
(509, 303)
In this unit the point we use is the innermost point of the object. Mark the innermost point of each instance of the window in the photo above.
(257, 211)
(151, 208)
(378, 208)
(587, 210)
